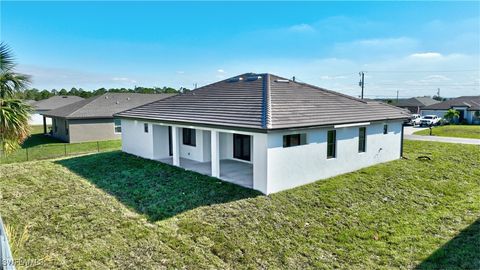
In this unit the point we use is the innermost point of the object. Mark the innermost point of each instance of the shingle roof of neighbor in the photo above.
(472, 102)
(264, 101)
(104, 106)
(416, 101)
(55, 102)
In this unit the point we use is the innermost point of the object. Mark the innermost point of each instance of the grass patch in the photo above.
(459, 131)
(39, 146)
(113, 210)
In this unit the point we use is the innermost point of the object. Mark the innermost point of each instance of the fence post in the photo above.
(65, 148)
(26, 151)
(98, 147)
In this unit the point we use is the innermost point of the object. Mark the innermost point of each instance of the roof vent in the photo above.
(128, 98)
(235, 79)
(253, 78)
(118, 102)
(106, 97)
(282, 80)
(64, 97)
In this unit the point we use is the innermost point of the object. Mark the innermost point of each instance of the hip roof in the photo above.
(264, 101)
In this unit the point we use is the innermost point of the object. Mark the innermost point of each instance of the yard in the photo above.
(114, 210)
(460, 131)
(39, 146)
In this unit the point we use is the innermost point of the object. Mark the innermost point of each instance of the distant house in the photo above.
(45, 105)
(264, 132)
(415, 104)
(468, 107)
(92, 119)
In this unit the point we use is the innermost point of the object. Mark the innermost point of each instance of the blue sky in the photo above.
(413, 47)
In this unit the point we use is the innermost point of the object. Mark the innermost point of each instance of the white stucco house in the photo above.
(264, 132)
(467, 106)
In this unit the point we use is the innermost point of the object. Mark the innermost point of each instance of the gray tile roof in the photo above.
(472, 102)
(416, 102)
(104, 106)
(54, 102)
(264, 101)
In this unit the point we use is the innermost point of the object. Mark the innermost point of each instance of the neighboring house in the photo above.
(92, 119)
(415, 104)
(42, 106)
(264, 132)
(468, 107)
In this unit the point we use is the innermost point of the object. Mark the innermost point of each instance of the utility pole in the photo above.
(438, 92)
(397, 96)
(362, 81)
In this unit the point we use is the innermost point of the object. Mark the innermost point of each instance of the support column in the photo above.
(44, 124)
(175, 146)
(215, 145)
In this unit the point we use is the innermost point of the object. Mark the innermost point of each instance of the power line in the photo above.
(418, 71)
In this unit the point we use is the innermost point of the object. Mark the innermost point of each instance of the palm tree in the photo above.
(451, 114)
(14, 114)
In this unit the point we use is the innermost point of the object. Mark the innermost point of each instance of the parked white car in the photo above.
(415, 120)
(430, 120)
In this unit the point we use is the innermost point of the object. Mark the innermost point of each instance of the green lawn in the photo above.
(460, 131)
(44, 147)
(114, 210)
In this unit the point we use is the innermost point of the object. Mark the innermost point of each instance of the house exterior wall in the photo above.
(196, 152)
(439, 113)
(274, 168)
(135, 140)
(60, 132)
(83, 130)
(294, 166)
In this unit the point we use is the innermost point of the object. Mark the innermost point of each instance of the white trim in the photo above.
(352, 125)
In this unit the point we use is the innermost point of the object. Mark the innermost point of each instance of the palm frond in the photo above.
(7, 61)
(14, 128)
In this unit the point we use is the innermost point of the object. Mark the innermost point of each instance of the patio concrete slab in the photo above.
(233, 171)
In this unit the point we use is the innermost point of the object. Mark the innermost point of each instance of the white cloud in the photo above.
(180, 72)
(301, 28)
(220, 71)
(123, 79)
(427, 55)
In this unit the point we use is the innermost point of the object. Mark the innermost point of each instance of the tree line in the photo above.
(36, 94)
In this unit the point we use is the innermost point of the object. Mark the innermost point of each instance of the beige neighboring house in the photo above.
(92, 119)
(43, 106)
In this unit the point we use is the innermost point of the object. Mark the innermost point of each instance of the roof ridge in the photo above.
(90, 100)
(266, 102)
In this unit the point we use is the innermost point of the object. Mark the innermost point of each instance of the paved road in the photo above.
(408, 135)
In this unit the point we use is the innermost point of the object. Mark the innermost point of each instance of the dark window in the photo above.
(55, 127)
(66, 128)
(118, 125)
(145, 127)
(331, 143)
(170, 148)
(385, 129)
(189, 137)
(241, 146)
(362, 139)
(294, 140)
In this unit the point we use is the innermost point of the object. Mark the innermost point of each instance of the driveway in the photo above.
(409, 130)
(408, 135)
